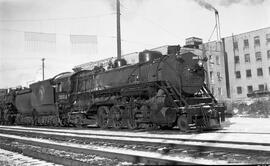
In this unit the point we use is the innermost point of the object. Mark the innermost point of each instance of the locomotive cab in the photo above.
(61, 84)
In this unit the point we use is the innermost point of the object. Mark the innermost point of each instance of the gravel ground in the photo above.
(23, 160)
(8, 158)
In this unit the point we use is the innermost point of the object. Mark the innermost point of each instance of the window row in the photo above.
(257, 42)
(258, 56)
(249, 74)
(261, 87)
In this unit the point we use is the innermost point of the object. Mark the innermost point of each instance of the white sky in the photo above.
(144, 24)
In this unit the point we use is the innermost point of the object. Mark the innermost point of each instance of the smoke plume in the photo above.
(206, 5)
(245, 2)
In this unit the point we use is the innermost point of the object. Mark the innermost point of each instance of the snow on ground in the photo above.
(8, 158)
(235, 129)
(248, 125)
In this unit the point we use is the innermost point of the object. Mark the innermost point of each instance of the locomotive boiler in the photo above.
(160, 90)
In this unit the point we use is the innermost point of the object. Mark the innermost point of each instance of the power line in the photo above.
(65, 34)
(154, 23)
(56, 19)
(16, 68)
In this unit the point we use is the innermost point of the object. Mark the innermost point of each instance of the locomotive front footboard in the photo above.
(203, 117)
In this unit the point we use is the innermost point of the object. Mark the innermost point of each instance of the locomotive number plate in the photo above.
(62, 96)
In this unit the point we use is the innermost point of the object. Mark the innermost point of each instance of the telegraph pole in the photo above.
(118, 29)
(43, 59)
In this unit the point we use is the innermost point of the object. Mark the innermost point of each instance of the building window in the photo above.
(258, 56)
(235, 45)
(248, 73)
(246, 44)
(250, 89)
(218, 76)
(217, 60)
(219, 91)
(211, 61)
(257, 41)
(247, 58)
(259, 72)
(239, 90)
(211, 77)
(268, 38)
(261, 87)
(236, 59)
(268, 54)
(237, 74)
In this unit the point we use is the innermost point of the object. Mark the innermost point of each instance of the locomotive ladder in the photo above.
(175, 94)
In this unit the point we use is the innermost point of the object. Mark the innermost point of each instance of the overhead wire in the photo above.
(154, 23)
(56, 19)
(65, 34)
(84, 17)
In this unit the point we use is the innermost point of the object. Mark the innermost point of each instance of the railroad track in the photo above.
(206, 144)
(132, 156)
(169, 145)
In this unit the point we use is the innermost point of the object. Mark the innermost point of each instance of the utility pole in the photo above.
(43, 59)
(118, 29)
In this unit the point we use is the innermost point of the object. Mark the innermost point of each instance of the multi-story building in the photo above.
(239, 64)
(247, 62)
(215, 68)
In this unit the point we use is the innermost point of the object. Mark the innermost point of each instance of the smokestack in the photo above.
(217, 25)
(208, 6)
(118, 29)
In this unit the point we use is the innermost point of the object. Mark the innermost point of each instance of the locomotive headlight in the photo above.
(200, 63)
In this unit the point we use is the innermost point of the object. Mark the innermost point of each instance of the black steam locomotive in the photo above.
(162, 91)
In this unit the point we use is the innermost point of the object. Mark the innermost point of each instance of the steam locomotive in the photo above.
(162, 91)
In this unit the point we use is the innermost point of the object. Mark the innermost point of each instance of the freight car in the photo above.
(160, 90)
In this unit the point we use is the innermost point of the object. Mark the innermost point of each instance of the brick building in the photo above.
(247, 57)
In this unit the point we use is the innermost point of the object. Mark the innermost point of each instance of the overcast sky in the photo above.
(144, 24)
